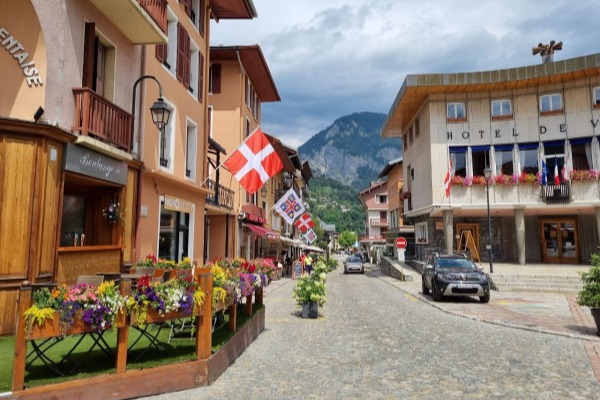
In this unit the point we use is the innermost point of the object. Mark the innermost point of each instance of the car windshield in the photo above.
(353, 260)
(456, 263)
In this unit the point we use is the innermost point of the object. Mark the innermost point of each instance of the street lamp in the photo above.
(160, 111)
(487, 172)
(263, 191)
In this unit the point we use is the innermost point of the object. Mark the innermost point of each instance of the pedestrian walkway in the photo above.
(548, 313)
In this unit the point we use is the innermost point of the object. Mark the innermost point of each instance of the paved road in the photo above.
(375, 341)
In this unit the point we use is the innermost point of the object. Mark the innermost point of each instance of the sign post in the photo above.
(401, 246)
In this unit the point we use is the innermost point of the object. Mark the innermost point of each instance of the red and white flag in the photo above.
(254, 162)
(304, 223)
(448, 178)
(556, 177)
(289, 206)
(566, 170)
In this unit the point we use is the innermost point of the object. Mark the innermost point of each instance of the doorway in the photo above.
(560, 242)
(467, 240)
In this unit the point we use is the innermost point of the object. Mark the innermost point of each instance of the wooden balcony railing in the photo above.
(157, 9)
(557, 194)
(97, 117)
(222, 196)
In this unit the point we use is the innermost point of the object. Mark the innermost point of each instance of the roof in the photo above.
(373, 186)
(255, 66)
(386, 170)
(416, 88)
(232, 9)
(280, 149)
(212, 143)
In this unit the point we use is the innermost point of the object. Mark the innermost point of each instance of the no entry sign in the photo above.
(401, 243)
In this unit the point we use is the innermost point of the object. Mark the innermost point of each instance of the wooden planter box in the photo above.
(51, 327)
(153, 316)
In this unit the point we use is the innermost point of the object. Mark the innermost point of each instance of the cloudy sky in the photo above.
(330, 58)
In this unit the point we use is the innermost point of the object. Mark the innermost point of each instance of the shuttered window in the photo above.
(183, 55)
(201, 14)
(187, 6)
(161, 52)
(215, 78)
(88, 54)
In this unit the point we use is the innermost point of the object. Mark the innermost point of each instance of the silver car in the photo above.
(354, 264)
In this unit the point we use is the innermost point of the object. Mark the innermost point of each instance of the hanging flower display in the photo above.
(113, 213)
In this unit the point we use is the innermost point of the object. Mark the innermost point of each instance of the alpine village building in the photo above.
(536, 128)
(104, 138)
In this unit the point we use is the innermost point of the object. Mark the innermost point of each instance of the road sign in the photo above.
(401, 243)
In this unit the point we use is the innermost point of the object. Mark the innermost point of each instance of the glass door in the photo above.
(559, 241)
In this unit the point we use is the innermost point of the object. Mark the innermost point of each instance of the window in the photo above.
(405, 142)
(196, 12)
(183, 56)
(581, 150)
(596, 100)
(171, 47)
(480, 155)
(380, 199)
(98, 62)
(551, 103)
(456, 111)
(501, 108)
(252, 198)
(190, 153)
(459, 161)
(174, 236)
(504, 160)
(421, 232)
(276, 221)
(194, 70)
(167, 141)
(247, 128)
(528, 158)
(417, 127)
(410, 135)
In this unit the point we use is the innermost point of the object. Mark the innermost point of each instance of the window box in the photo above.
(478, 180)
(530, 178)
(584, 175)
(506, 180)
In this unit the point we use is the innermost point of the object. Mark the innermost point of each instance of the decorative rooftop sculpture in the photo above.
(547, 51)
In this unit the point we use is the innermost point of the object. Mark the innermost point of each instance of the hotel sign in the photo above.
(90, 163)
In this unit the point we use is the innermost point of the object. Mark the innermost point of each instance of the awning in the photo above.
(262, 231)
(286, 240)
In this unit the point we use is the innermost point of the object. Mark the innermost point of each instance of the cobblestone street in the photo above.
(373, 340)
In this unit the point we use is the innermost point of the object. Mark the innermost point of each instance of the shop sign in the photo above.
(18, 52)
(177, 204)
(87, 162)
(252, 217)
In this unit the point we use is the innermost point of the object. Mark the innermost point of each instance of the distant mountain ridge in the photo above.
(351, 150)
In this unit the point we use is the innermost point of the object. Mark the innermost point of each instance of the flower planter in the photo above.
(154, 317)
(310, 310)
(51, 327)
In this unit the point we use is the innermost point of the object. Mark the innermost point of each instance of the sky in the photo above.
(331, 58)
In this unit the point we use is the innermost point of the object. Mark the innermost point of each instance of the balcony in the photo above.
(99, 118)
(380, 222)
(142, 21)
(557, 194)
(221, 197)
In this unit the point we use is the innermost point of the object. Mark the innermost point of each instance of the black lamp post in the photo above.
(487, 172)
(160, 111)
(263, 191)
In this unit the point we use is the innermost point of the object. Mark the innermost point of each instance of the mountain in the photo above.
(351, 150)
(345, 157)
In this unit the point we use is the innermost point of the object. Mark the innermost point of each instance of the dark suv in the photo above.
(454, 275)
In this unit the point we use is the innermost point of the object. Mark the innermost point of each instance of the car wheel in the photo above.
(424, 287)
(435, 292)
(485, 298)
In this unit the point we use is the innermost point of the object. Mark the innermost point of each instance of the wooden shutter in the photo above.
(180, 52)
(161, 52)
(216, 78)
(188, 61)
(200, 76)
(89, 53)
(201, 14)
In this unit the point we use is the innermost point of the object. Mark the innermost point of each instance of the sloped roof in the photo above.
(232, 9)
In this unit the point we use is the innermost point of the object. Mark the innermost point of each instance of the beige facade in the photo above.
(375, 202)
(520, 123)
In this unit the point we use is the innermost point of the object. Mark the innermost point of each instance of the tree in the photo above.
(321, 240)
(347, 239)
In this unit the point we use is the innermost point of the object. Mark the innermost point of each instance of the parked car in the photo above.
(454, 275)
(354, 264)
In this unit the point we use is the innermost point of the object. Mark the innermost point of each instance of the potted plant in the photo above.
(309, 291)
(589, 296)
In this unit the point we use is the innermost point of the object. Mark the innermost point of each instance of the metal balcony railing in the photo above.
(379, 222)
(97, 117)
(222, 197)
(557, 194)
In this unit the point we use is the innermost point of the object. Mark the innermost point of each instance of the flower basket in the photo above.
(584, 175)
(155, 317)
(51, 327)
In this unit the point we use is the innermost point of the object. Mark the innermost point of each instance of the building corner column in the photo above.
(449, 231)
(520, 234)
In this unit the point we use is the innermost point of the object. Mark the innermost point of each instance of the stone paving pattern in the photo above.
(378, 338)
